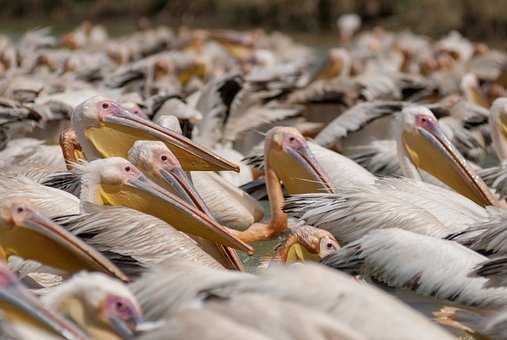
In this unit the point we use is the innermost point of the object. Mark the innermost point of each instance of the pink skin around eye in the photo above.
(108, 108)
(425, 121)
(122, 308)
(294, 142)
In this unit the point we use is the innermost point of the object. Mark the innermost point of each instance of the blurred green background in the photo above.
(482, 20)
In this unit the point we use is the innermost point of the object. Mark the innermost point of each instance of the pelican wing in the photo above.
(63, 180)
(229, 205)
(488, 236)
(132, 240)
(495, 271)
(496, 178)
(256, 116)
(354, 212)
(214, 103)
(379, 157)
(255, 158)
(343, 91)
(354, 119)
(390, 203)
(48, 201)
(173, 284)
(426, 265)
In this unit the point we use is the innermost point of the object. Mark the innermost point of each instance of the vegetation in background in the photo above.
(476, 19)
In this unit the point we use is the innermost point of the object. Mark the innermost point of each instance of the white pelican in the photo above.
(27, 316)
(227, 204)
(115, 181)
(48, 201)
(289, 160)
(193, 324)
(103, 307)
(438, 268)
(160, 156)
(423, 147)
(98, 121)
(28, 235)
(279, 319)
(164, 290)
(132, 240)
(355, 210)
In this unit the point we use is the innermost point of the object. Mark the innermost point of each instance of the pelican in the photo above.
(103, 307)
(173, 285)
(422, 146)
(279, 320)
(381, 255)
(194, 324)
(156, 160)
(227, 204)
(153, 160)
(286, 149)
(27, 316)
(25, 234)
(115, 181)
(307, 243)
(48, 201)
(132, 240)
(98, 120)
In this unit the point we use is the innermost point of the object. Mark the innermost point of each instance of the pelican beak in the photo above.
(19, 305)
(299, 171)
(34, 237)
(125, 329)
(299, 253)
(145, 196)
(430, 150)
(118, 132)
(183, 188)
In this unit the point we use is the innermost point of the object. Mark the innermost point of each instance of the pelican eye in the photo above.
(20, 209)
(105, 105)
(163, 158)
(127, 169)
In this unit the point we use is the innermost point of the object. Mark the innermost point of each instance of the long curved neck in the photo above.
(497, 136)
(90, 189)
(276, 200)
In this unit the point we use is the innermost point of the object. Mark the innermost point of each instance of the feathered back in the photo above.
(429, 266)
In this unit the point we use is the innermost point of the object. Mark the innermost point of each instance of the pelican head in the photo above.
(308, 243)
(116, 181)
(498, 126)
(103, 307)
(21, 307)
(156, 160)
(25, 233)
(422, 145)
(288, 154)
(104, 128)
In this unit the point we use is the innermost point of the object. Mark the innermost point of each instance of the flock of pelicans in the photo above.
(135, 170)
